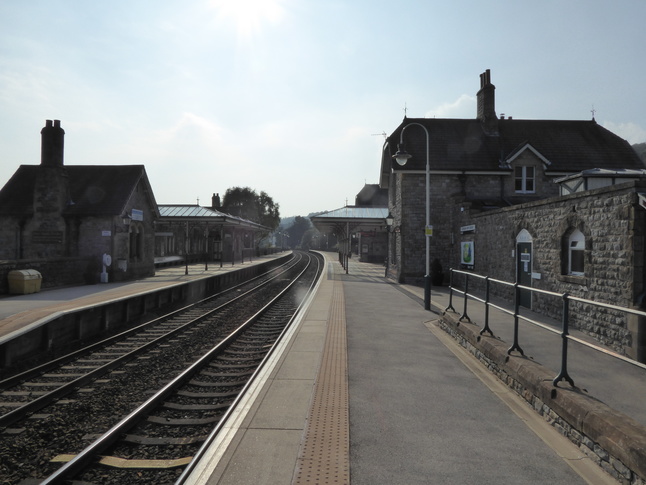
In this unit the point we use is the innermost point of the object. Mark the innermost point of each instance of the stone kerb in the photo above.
(616, 442)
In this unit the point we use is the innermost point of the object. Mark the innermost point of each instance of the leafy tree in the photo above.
(269, 211)
(311, 239)
(247, 204)
(298, 230)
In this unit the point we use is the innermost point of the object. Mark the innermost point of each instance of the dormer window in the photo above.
(525, 178)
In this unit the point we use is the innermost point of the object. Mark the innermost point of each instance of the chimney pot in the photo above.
(487, 104)
(52, 144)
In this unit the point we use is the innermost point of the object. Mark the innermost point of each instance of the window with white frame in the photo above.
(524, 179)
(576, 248)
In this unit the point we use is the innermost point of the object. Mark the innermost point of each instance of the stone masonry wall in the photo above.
(55, 273)
(613, 226)
(612, 440)
(9, 234)
(447, 194)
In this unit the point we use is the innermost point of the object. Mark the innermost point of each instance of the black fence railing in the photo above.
(566, 299)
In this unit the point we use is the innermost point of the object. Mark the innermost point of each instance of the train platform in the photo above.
(20, 311)
(367, 389)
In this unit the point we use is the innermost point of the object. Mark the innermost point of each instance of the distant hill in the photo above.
(640, 148)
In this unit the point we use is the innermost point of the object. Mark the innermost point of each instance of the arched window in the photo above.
(575, 253)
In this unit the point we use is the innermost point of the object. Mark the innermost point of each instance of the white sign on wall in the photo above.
(137, 215)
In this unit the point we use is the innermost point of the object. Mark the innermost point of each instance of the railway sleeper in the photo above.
(116, 462)
(217, 384)
(241, 358)
(207, 395)
(183, 421)
(156, 440)
(255, 352)
(220, 365)
(196, 407)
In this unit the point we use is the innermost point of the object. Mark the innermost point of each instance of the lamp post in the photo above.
(402, 157)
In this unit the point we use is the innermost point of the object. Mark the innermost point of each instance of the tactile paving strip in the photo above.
(324, 457)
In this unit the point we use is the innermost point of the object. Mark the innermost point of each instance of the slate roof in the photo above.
(605, 173)
(192, 212)
(96, 190)
(462, 145)
(353, 213)
(354, 218)
(372, 195)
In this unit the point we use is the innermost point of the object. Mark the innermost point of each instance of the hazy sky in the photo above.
(290, 96)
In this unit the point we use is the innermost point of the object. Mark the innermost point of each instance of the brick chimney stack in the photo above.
(215, 202)
(52, 144)
(487, 104)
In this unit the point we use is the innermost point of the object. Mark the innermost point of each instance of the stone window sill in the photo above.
(575, 280)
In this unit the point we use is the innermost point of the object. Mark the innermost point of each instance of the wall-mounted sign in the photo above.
(470, 228)
(106, 233)
(429, 230)
(467, 253)
(137, 215)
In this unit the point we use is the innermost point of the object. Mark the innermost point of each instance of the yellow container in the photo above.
(24, 281)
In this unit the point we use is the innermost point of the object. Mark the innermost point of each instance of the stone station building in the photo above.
(80, 224)
(67, 222)
(496, 208)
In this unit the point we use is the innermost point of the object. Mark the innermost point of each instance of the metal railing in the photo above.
(515, 313)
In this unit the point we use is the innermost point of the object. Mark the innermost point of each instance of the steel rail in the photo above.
(222, 422)
(42, 401)
(57, 362)
(88, 455)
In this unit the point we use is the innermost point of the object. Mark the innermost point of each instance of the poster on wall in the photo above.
(466, 254)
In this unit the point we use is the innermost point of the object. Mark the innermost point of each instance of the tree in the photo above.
(245, 203)
(311, 239)
(298, 230)
(269, 211)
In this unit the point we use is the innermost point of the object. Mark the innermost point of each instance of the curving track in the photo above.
(173, 380)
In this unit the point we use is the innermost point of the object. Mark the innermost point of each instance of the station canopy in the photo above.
(352, 219)
(196, 213)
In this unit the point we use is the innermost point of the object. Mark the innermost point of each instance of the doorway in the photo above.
(524, 266)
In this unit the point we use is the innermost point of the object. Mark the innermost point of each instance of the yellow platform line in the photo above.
(325, 452)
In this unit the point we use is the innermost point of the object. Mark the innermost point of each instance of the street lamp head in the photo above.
(389, 219)
(402, 155)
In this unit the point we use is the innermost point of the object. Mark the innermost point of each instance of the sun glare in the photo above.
(249, 16)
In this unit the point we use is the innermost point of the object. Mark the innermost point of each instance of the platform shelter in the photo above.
(192, 233)
(361, 231)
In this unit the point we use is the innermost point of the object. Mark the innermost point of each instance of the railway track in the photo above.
(173, 380)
